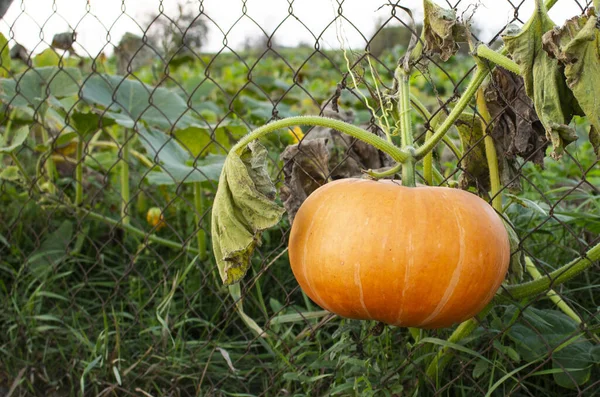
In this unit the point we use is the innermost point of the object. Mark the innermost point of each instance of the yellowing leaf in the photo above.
(442, 30)
(242, 209)
(544, 80)
(577, 46)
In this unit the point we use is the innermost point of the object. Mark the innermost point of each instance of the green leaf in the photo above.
(20, 136)
(577, 46)
(48, 57)
(481, 367)
(10, 173)
(176, 163)
(540, 333)
(129, 101)
(244, 207)
(86, 124)
(217, 139)
(544, 80)
(52, 251)
(442, 30)
(36, 85)
(4, 56)
(595, 354)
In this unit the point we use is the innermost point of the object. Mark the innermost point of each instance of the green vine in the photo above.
(395, 153)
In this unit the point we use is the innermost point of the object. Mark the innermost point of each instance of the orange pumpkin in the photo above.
(422, 257)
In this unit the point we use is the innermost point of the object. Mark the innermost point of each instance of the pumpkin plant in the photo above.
(408, 255)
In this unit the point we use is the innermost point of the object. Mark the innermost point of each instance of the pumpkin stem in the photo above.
(395, 152)
(404, 123)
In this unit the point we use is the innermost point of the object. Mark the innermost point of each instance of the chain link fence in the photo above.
(110, 161)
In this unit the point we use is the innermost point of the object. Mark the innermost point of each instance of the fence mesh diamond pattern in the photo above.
(110, 160)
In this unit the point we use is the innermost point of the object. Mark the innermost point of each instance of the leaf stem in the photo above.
(134, 230)
(497, 58)
(395, 152)
(463, 102)
(48, 163)
(125, 192)
(79, 172)
(199, 207)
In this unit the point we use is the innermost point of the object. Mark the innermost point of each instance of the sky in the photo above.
(101, 23)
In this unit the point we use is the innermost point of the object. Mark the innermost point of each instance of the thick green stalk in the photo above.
(199, 207)
(490, 152)
(555, 278)
(404, 121)
(125, 192)
(463, 102)
(428, 162)
(554, 297)
(79, 173)
(395, 152)
(380, 175)
(497, 58)
(433, 123)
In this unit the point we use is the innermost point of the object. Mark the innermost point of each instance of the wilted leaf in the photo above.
(577, 46)
(541, 333)
(21, 53)
(544, 80)
(243, 207)
(64, 41)
(225, 355)
(442, 30)
(517, 130)
(348, 156)
(305, 168)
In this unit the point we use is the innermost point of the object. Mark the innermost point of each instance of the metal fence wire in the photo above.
(110, 162)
